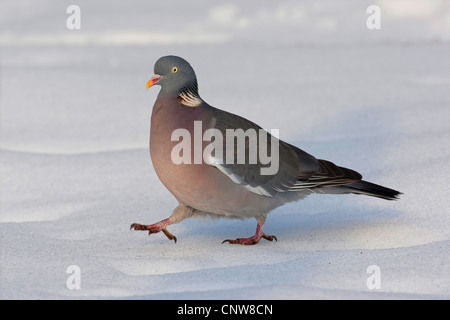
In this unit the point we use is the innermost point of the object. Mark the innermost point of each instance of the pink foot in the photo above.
(155, 228)
(255, 239)
(250, 241)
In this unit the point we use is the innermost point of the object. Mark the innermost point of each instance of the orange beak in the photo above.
(153, 80)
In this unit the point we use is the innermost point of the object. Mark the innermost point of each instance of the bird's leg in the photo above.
(258, 235)
(179, 214)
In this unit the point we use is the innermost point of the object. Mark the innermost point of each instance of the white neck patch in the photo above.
(190, 100)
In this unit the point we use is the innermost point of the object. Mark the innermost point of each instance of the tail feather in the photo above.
(372, 189)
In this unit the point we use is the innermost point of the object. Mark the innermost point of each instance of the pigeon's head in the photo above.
(173, 74)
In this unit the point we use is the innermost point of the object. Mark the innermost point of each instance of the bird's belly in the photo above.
(205, 188)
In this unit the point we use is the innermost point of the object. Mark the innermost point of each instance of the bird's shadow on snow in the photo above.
(321, 223)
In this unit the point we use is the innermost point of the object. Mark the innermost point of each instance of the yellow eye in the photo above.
(174, 69)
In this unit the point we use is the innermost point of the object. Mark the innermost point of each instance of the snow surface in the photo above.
(76, 172)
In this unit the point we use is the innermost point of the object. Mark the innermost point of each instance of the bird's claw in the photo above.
(154, 228)
(168, 235)
(137, 226)
(250, 241)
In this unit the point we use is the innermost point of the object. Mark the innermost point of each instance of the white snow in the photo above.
(75, 168)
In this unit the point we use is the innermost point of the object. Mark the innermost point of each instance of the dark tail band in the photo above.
(372, 189)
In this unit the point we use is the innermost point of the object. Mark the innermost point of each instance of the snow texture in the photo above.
(76, 172)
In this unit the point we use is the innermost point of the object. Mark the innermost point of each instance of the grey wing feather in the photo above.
(297, 169)
(294, 164)
(328, 175)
